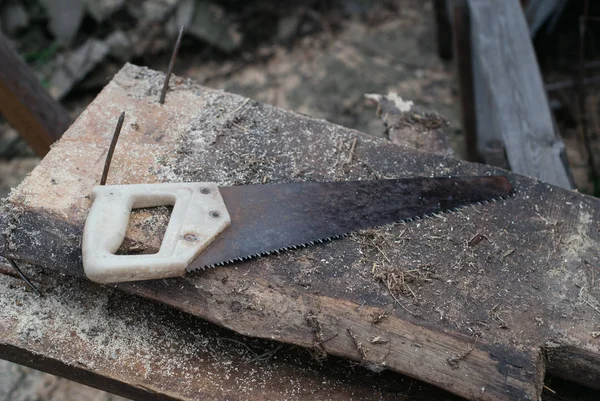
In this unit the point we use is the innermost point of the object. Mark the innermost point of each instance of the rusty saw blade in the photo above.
(277, 217)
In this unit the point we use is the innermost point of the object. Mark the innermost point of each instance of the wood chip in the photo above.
(476, 239)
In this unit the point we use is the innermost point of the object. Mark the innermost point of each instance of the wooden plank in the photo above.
(26, 105)
(464, 70)
(511, 103)
(486, 291)
(143, 351)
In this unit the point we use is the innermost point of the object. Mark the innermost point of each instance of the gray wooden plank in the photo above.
(511, 102)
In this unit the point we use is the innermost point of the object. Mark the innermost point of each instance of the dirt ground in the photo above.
(18, 383)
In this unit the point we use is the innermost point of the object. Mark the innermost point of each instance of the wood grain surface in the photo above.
(512, 110)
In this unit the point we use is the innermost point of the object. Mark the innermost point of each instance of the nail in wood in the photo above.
(163, 93)
(24, 278)
(111, 149)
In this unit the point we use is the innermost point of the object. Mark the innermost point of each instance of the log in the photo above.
(144, 351)
(26, 105)
(485, 291)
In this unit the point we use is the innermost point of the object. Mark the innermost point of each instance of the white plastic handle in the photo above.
(199, 216)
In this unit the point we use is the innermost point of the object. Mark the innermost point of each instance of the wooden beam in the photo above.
(510, 100)
(138, 349)
(25, 103)
(464, 69)
(485, 291)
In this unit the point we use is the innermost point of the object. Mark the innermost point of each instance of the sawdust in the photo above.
(11, 214)
(578, 242)
(380, 247)
(121, 336)
(401, 282)
(589, 300)
(145, 140)
(575, 247)
(380, 317)
(90, 316)
(264, 148)
(462, 260)
(104, 337)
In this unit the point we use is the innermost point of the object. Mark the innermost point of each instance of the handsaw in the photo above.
(212, 225)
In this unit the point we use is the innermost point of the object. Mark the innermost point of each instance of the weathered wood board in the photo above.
(480, 302)
(145, 351)
(511, 106)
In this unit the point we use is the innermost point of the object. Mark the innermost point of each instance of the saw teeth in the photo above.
(439, 214)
